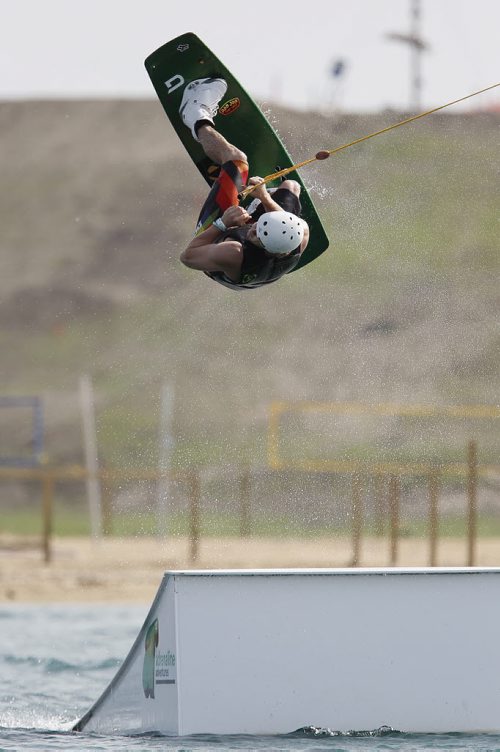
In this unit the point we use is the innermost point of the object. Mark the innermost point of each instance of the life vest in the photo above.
(259, 267)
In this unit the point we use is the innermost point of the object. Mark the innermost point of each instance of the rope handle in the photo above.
(325, 153)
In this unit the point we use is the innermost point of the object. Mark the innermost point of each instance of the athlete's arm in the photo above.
(224, 257)
(205, 254)
(263, 195)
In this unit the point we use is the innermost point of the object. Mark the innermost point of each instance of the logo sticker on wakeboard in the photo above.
(230, 106)
(173, 83)
(182, 47)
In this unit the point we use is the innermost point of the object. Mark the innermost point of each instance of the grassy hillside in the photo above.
(98, 200)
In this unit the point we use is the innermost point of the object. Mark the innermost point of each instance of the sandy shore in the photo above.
(130, 569)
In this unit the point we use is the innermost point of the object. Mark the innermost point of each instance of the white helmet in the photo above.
(280, 231)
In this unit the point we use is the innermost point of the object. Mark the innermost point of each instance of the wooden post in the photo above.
(245, 502)
(106, 506)
(433, 517)
(47, 510)
(357, 519)
(380, 506)
(394, 502)
(194, 516)
(472, 503)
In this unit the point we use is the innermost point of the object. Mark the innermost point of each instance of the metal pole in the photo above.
(416, 57)
(91, 460)
(38, 430)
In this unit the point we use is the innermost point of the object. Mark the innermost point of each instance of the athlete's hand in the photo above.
(235, 216)
(261, 191)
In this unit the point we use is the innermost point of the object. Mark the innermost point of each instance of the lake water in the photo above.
(56, 660)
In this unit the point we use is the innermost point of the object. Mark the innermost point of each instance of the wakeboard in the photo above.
(240, 120)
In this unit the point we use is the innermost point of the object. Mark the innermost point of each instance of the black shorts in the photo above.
(286, 199)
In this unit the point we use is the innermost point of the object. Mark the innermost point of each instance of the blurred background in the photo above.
(355, 401)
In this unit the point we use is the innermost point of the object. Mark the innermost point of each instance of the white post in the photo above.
(91, 459)
(165, 445)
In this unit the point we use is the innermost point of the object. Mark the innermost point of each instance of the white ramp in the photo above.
(270, 651)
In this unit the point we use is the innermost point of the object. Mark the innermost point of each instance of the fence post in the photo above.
(47, 509)
(394, 501)
(106, 506)
(472, 503)
(245, 502)
(379, 481)
(433, 517)
(357, 519)
(194, 516)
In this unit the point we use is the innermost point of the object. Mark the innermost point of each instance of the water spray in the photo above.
(325, 153)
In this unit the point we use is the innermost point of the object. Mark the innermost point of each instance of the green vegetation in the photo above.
(74, 522)
(399, 309)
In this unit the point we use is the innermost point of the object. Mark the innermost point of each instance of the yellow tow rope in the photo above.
(325, 153)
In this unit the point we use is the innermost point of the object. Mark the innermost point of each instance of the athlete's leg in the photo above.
(198, 108)
(216, 147)
(224, 192)
(292, 186)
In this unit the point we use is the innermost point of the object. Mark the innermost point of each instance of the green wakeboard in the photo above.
(240, 120)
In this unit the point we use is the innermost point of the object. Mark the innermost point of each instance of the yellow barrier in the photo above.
(469, 470)
(451, 469)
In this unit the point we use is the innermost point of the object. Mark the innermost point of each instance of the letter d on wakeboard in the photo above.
(240, 120)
